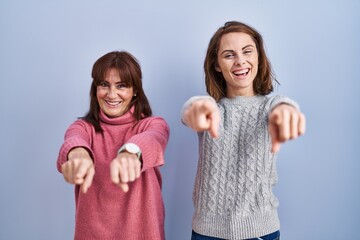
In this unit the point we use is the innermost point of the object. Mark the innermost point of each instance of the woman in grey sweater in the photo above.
(240, 129)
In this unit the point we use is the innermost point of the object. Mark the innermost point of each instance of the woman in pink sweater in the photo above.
(112, 155)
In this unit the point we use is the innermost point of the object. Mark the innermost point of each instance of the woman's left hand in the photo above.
(285, 123)
(125, 168)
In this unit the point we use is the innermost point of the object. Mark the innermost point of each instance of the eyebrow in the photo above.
(249, 45)
(109, 82)
(114, 83)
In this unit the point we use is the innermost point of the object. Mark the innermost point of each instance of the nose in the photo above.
(239, 60)
(112, 92)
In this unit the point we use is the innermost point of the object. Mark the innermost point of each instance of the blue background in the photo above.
(47, 49)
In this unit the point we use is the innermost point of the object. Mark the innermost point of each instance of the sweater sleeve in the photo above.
(277, 100)
(190, 101)
(152, 140)
(77, 135)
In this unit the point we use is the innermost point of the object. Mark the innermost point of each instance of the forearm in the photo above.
(283, 100)
(152, 143)
(75, 136)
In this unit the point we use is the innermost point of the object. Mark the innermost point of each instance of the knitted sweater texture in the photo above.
(233, 195)
(105, 212)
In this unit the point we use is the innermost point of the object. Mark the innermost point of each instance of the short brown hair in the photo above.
(130, 73)
(214, 80)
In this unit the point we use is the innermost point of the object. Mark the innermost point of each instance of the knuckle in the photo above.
(113, 163)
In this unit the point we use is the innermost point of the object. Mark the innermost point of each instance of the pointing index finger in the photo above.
(214, 124)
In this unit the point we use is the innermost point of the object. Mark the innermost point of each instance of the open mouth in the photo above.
(113, 103)
(242, 72)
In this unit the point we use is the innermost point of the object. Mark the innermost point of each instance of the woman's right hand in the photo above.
(79, 168)
(202, 115)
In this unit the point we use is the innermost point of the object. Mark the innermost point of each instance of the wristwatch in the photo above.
(131, 148)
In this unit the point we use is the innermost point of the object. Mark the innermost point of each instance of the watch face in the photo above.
(132, 148)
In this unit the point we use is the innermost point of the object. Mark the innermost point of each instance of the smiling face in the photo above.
(237, 60)
(113, 95)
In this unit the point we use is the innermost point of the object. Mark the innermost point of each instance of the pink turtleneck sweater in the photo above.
(105, 212)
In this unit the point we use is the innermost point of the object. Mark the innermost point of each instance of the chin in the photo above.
(111, 114)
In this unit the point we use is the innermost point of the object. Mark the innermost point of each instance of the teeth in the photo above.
(113, 103)
(243, 71)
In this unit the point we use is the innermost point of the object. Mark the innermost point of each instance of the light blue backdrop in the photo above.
(47, 49)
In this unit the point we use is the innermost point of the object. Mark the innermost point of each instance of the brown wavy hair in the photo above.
(215, 81)
(130, 73)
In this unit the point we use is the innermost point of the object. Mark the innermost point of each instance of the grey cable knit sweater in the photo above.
(233, 195)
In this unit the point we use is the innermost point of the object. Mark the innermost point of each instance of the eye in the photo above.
(229, 55)
(248, 51)
(103, 84)
(121, 85)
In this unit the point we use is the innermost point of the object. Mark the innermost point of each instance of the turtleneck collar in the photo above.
(128, 117)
